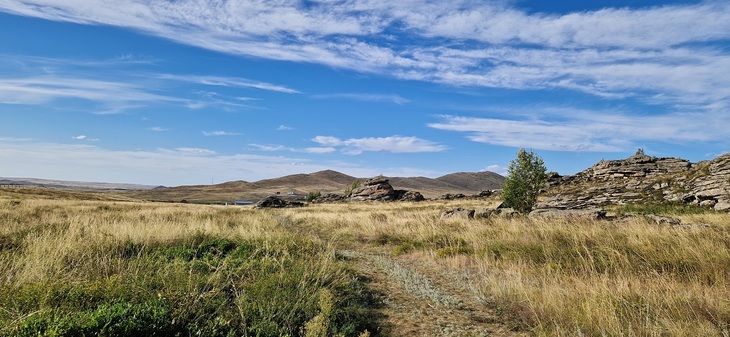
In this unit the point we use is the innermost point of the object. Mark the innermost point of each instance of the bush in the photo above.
(526, 176)
(313, 195)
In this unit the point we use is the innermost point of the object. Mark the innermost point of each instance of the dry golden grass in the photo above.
(557, 277)
(561, 277)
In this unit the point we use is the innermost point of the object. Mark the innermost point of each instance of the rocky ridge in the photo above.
(642, 178)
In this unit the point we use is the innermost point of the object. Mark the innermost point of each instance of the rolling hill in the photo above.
(328, 181)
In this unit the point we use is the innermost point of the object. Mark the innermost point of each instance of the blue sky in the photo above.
(199, 91)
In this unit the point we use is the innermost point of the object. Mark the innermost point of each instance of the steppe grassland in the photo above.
(560, 277)
(122, 268)
(143, 268)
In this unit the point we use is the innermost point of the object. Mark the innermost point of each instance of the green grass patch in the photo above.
(203, 285)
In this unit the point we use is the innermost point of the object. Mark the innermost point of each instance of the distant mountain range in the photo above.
(327, 181)
(71, 184)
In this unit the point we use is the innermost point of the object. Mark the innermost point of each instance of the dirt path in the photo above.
(415, 304)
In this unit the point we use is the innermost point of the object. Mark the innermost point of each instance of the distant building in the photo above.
(242, 202)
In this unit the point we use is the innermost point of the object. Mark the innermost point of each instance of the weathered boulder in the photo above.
(374, 189)
(379, 189)
(412, 196)
(277, 202)
(485, 194)
(329, 197)
(458, 213)
(663, 220)
(484, 213)
(591, 213)
(450, 196)
(709, 183)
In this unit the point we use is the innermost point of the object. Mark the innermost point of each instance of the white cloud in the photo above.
(284, 128)
(585, 130)
(190, 151)
(660, 55)
(319, 150)
(30, 80)
(394, 144)
(43, 89)
(171, 167)
(229, 82)
(158, 129)
(499, 169)
(490, 43)
(397, 99)
(84, 137)
(220, 133)
(327, 141)
(267, 148)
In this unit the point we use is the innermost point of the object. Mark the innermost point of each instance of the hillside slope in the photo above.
(328, 181)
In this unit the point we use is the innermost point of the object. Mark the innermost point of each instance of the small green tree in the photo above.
(355, 185)
(526, 175)
(312, 195)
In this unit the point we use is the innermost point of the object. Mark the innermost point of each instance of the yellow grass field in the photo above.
(71, 267)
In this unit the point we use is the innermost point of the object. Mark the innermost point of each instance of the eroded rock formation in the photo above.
(379, 189)
(642, 178)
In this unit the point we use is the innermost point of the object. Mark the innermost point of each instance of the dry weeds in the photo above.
(503, 276)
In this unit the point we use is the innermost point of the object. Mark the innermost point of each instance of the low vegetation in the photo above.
(129, 269)
(115, 268)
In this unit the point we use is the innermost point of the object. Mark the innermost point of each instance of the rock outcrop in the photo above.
(484, 213)
(458, 212)
(277, 202)
(379, 189)
(374, 189)
(413, 196)
(711, 184)
(640, 179)
(329, 197)
(552, 213)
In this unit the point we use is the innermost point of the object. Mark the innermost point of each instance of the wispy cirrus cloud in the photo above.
(574, 130)
(612, 52)
(220, 133)
(267, 147)
(397, 99)
(158, 129)
(355, 146)
(229, 82)
(394, 144)
(43, 89)
(29, 80)
(278, 147)
(162, 166)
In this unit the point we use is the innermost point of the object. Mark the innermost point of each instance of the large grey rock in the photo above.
(710, 181)
(458, 213)
(374, 189)
(412, 196)
(591, 213)
(277, 202)
(328, 198)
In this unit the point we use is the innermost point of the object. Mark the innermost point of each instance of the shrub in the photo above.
(313, 195)
(526, 176)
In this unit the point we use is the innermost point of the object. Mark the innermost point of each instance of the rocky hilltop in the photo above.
(642, 178)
